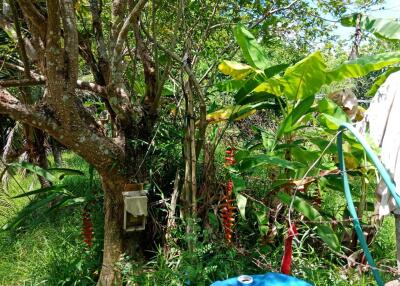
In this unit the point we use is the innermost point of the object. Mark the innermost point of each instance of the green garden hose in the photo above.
(350, 204)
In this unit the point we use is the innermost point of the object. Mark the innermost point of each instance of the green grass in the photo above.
(47, 249)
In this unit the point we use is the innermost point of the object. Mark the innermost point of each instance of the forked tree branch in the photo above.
(37, 79)
(125, 27)
(34, 16)
(13, 108)
(87, 142)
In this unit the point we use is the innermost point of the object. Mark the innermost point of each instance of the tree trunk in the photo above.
(113, 231)
(56, 150)
(116, 241)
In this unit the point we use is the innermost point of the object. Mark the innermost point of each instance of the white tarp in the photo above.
(382, 122)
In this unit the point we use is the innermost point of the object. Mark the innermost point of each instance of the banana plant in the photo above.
(293, 148)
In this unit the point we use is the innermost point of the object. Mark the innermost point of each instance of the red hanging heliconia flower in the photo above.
(287, 255)
(229, 187)
(228, 210)
(87, 230)
(230, 158)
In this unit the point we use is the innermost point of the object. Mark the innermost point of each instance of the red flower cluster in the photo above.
(87, 230)
(230, 157)
(228, 210)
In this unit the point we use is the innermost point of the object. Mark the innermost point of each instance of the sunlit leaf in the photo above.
(235, 69)
(36, 170)
(65, 172)
(329, 107)
(244, 95)
(232, 112)
(241, 203)
(362, 66)
(274, 70)
(41, 191)
(329, 121)
(252, 52)
(229, 85)
(289, 123)
(380, 80)
(271, 86)
(304, 78)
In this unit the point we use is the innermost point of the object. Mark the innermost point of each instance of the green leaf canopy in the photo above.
(387, 29)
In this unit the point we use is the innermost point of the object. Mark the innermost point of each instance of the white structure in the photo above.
(135, 210)
(382, 123)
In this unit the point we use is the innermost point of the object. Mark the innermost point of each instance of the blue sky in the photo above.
(390, 9)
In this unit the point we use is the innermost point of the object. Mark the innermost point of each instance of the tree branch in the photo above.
(88, 142)
(12, 107)
(125, 27)
(40, 80)
(103, 61)
(273, 11)
(21, 82)
(34, 16)
(20, 39)
(150, 76)
(93, 87)
(203, 108)
(71, 45)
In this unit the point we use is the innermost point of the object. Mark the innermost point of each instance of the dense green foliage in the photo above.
(49, 249)
(250, 70)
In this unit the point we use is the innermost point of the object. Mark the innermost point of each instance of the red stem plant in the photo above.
(287, 255)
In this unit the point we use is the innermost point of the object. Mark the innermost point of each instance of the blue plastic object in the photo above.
(269, 279)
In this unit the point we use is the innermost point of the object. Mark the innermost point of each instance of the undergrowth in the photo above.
(48, 249)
